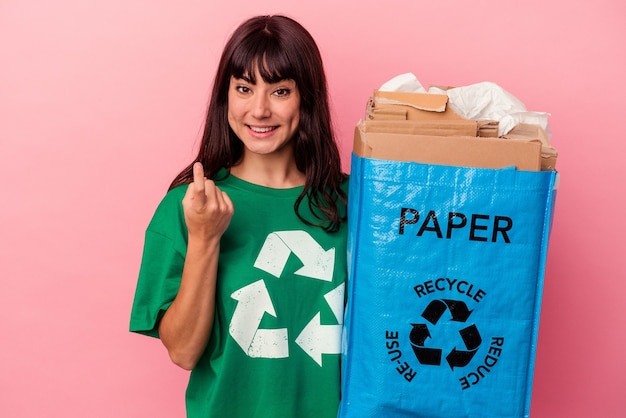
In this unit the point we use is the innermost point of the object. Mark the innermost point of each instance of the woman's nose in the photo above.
(261, 107)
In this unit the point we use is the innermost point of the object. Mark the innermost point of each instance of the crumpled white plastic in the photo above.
(406, 83)
(480, 101)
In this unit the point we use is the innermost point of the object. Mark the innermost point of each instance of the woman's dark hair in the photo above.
(280, 48)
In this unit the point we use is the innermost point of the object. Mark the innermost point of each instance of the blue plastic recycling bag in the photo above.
(446, 272)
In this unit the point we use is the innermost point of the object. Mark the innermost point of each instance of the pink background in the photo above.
(101, 104)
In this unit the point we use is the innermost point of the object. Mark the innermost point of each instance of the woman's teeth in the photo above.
(261, 129)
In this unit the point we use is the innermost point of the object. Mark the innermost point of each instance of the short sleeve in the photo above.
(162, 263)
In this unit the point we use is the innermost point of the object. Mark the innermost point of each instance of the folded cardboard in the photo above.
(403, 142)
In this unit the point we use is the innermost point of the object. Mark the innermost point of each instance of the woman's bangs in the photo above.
(269, 59)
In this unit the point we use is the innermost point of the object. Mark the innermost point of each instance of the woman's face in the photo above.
(264, 116)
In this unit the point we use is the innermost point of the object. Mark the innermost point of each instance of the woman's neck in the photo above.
(269, 171)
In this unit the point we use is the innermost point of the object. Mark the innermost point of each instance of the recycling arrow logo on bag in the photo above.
(254, 300)
(469, 335)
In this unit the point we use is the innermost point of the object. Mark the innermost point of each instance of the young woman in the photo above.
(244, 263)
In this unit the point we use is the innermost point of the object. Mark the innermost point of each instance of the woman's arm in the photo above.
(187, 324)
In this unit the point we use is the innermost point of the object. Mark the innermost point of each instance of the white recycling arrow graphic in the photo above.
(253, 301)
(317, 339)
(317, 263)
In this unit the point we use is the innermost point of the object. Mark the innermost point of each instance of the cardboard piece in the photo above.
(453, 127)
(527, 131)
(409, 106)
(399, 142)
(488, 128)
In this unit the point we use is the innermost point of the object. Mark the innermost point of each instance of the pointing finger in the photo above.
(198, 177)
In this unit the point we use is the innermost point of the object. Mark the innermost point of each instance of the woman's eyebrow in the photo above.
(245, 78)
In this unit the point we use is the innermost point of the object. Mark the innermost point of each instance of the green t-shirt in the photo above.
(275, 346)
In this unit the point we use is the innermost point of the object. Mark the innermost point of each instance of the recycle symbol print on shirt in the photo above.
(254, 300)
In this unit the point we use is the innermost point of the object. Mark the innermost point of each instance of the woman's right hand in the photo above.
(207, 209)
(187, 323)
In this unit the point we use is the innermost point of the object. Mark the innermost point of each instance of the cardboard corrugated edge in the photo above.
(448, 150)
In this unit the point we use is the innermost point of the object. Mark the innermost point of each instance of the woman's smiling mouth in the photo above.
(261, 129)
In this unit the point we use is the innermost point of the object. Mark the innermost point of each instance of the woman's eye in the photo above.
(243, 89)
(282, 92)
